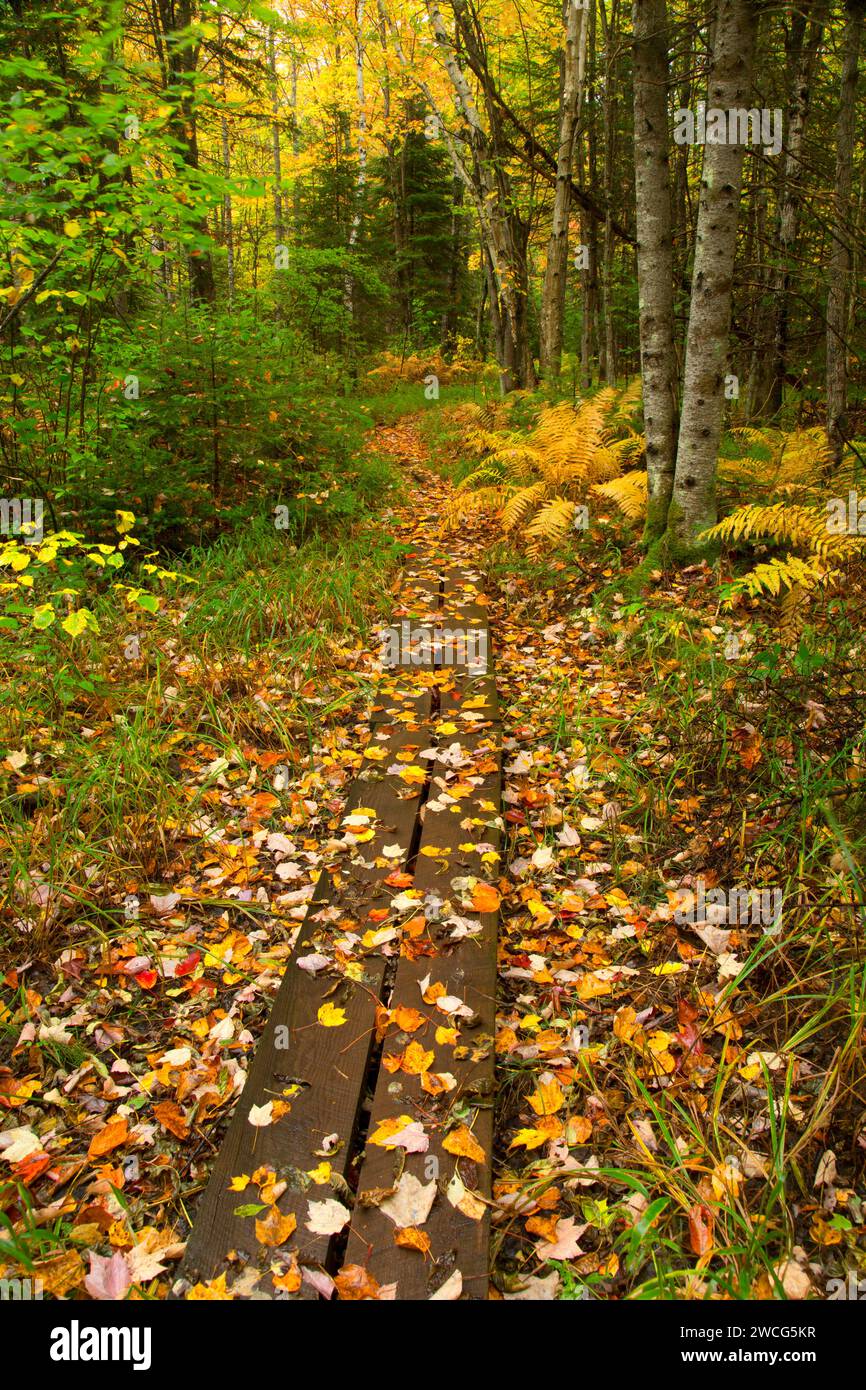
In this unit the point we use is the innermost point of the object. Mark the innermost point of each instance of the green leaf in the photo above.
(43, 616)
(75, 623)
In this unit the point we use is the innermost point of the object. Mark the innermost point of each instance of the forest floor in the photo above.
(667, 1088)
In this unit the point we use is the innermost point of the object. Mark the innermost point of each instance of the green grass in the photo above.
(226, 663)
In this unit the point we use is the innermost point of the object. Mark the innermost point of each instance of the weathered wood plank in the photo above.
(329, 1064)
(465, 970)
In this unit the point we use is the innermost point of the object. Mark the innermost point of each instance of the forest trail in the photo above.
(554, 800)
(364, 1131)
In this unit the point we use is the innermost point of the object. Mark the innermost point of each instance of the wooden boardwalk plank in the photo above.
(330, 1063)
(442, 810)
(463, 970)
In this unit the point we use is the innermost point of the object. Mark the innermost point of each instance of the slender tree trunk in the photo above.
(840, 252)
(610, 27)
(589, 229)
(693, 505)
(179, 63)
(361, 175)
(769, 365)
(275, 136)
(448, 328)
(228, 227)
(553, 290)
(654, 256)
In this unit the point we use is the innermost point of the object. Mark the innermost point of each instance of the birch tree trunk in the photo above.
(841, 251)
(480, 160)
(693, 505)
(654, 256)
(553, 290)
(769, 363)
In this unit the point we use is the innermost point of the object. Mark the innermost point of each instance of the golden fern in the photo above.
(522, 504)
(569, 450)
(627, 404)
(785, 523)
(774, 576)
(793, 611)
(549, 526)
(628, 492)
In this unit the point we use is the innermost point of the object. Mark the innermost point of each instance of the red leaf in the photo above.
(187, 966)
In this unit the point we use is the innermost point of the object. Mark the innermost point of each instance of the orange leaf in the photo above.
(485, 898)
(412, 1239)
(275, 1228)
(111, 1137)
(701, 1229)
(172, 1118)
(462, 1142)
(354, 1282)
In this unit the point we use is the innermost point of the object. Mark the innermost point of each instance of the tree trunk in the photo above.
(275, 136)
(770, 337)
(504, 232)
(693, 505)
(180, 61)
(553, 290)
(228, 228)
(609, 129)
(840, 253)
(654, 256)
(361, 175)
(449, 324)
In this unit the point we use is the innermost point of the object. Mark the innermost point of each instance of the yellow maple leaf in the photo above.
(529, 1139)
(275, 1228)
(330, 1016)
(547, 1098)
(417, 1059)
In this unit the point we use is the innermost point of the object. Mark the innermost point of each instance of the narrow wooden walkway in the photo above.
(387, 1115)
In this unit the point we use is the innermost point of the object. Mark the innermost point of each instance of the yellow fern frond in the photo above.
(628, 492)
(522, 504)
(550, 526)
(775, 575)
(469, 506)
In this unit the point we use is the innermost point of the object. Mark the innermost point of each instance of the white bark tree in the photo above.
(654, 256)
(693, 504)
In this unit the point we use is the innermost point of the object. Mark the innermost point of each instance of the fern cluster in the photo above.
(774, 496)
(534, 482)
(392, 369)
